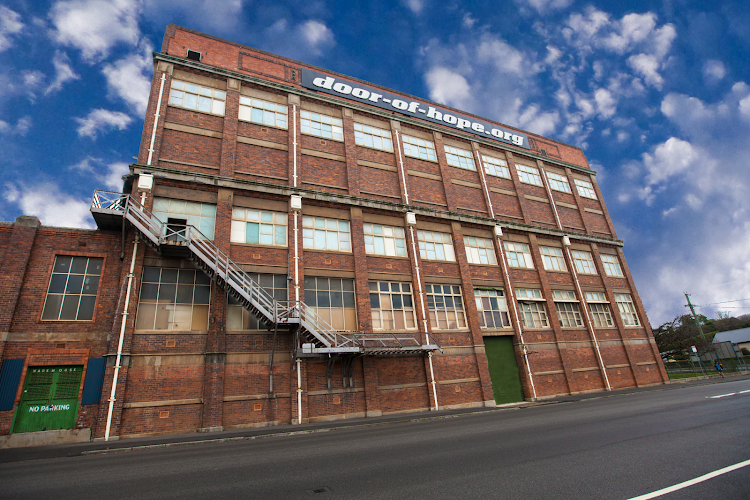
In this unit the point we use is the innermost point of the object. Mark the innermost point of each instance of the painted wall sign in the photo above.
(343, 88)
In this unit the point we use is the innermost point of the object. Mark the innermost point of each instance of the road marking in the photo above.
(743, 392)
(691, 482)
(723, 395)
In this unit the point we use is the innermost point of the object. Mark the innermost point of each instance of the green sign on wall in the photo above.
(50, 399)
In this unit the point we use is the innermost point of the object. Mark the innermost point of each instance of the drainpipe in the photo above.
(122, 332)
(401, 162)
(156, 119)
(294, 143)
(299, 392)
(432, 377)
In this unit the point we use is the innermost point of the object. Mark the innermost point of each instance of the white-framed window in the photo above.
(419, 148)
(599, 307)
(495, 166)
(239, 318)
(321, 125)
(611, 265)
(459, 158)
(492, 308)
(258, 227)
(627, 309)
(71, 294)
(372, 137)
(531, 304)
(529, 175)
(326, 234)
(173, 299)
(583, 261)
(446, 307)
(191, 213)
(518, 254)
(435, 246)
(568, 310)
(263, 112)
(585, 188)
(384, 240)
(198, 98)
(479, 250)
(558, 182)
(392, 306)
(553, 259)
(333, 300)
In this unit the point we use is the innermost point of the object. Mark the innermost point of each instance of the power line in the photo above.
(724, 302)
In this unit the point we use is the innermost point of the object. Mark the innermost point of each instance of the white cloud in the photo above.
(606, 105)
(95, 26)
(32, 78)
(545, 6)
(448, 87)
(647, 66)
(63, 72)
(317, 35)
(469, 21)
(10, 25)
(130, 78)
(215, 16)
(100, 119)
(672, 157)
(415, 6)
(47, 202)
(22, 126)
(714, 71)
(110, 175)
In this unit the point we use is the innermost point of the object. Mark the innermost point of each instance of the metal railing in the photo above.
(229, 274)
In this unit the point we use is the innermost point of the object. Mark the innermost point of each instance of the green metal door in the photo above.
(506, 382)
(49, 399)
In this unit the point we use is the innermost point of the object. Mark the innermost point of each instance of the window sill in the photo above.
(415, 331)
(492, 330)
(461, 168)
(257, 245)
(315, 250)
(52, 321)
(194, 110)
(170, 332)
(387, 256)
(420, 159)
(374, 149)
(482, 265)
(556, 272)
(514, 267)
(436, 260)
(530, 183)
(317, 136)
(261, 124)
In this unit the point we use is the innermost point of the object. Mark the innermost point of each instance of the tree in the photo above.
(676, 337)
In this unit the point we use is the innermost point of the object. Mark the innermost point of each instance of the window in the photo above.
(552, 259)
(173, 299)
(259, 227)
(569, 313)
(583, 261)
(627, 309)
(392, 306)
(72, 289)
(446, 307)
(419, 148)
(239, 318)
(599, 307)
(371, 137)
(384, 240)
(496, 167)
(519, 254)
(324, 126)
(459, 158)
(479, 250)
(200, 215)
(492, 308)
(435, 246)
(333, 300)
(531, 303)
(326, 234)
(263, 112)
(197, 97)
(529, 175)
(611, 265)
(558, 182)
(585, 189)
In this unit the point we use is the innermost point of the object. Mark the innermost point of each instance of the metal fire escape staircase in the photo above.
(111, 210)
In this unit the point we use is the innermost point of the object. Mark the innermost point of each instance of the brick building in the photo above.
(294, 244)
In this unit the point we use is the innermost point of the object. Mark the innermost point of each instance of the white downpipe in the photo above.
(432, 376)
(299, 392)
(294, 144)
(551, 199)
(589, 324)
(122, 333)
(156, 119)
(296, 260)
(480, 167)
(419, 282)
(401, 161)
(512, 301)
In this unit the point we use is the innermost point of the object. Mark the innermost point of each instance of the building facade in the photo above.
(296, 245)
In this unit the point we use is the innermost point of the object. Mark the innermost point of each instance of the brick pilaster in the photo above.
(229, 129)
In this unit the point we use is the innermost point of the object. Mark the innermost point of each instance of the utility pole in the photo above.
(697, 323)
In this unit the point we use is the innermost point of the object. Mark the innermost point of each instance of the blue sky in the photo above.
(655, 92)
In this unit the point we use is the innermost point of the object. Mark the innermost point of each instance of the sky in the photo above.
(656, 93)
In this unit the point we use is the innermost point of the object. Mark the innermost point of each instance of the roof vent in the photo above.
(195, 56)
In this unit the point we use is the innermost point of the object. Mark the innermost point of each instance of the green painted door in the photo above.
(506, 382)
(50, 399)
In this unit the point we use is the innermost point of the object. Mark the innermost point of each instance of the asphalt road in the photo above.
(603, 448)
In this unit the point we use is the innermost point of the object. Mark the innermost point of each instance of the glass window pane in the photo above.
(52, 307)
(86, 308)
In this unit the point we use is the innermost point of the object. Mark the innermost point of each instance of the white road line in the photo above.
(723, 395)
(691, 482)
(743, 392)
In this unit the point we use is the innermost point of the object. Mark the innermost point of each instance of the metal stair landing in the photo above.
(110, 210)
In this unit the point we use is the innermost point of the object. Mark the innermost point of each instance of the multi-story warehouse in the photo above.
(298, 245)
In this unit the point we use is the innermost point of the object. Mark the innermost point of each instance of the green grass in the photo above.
(673, 376)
